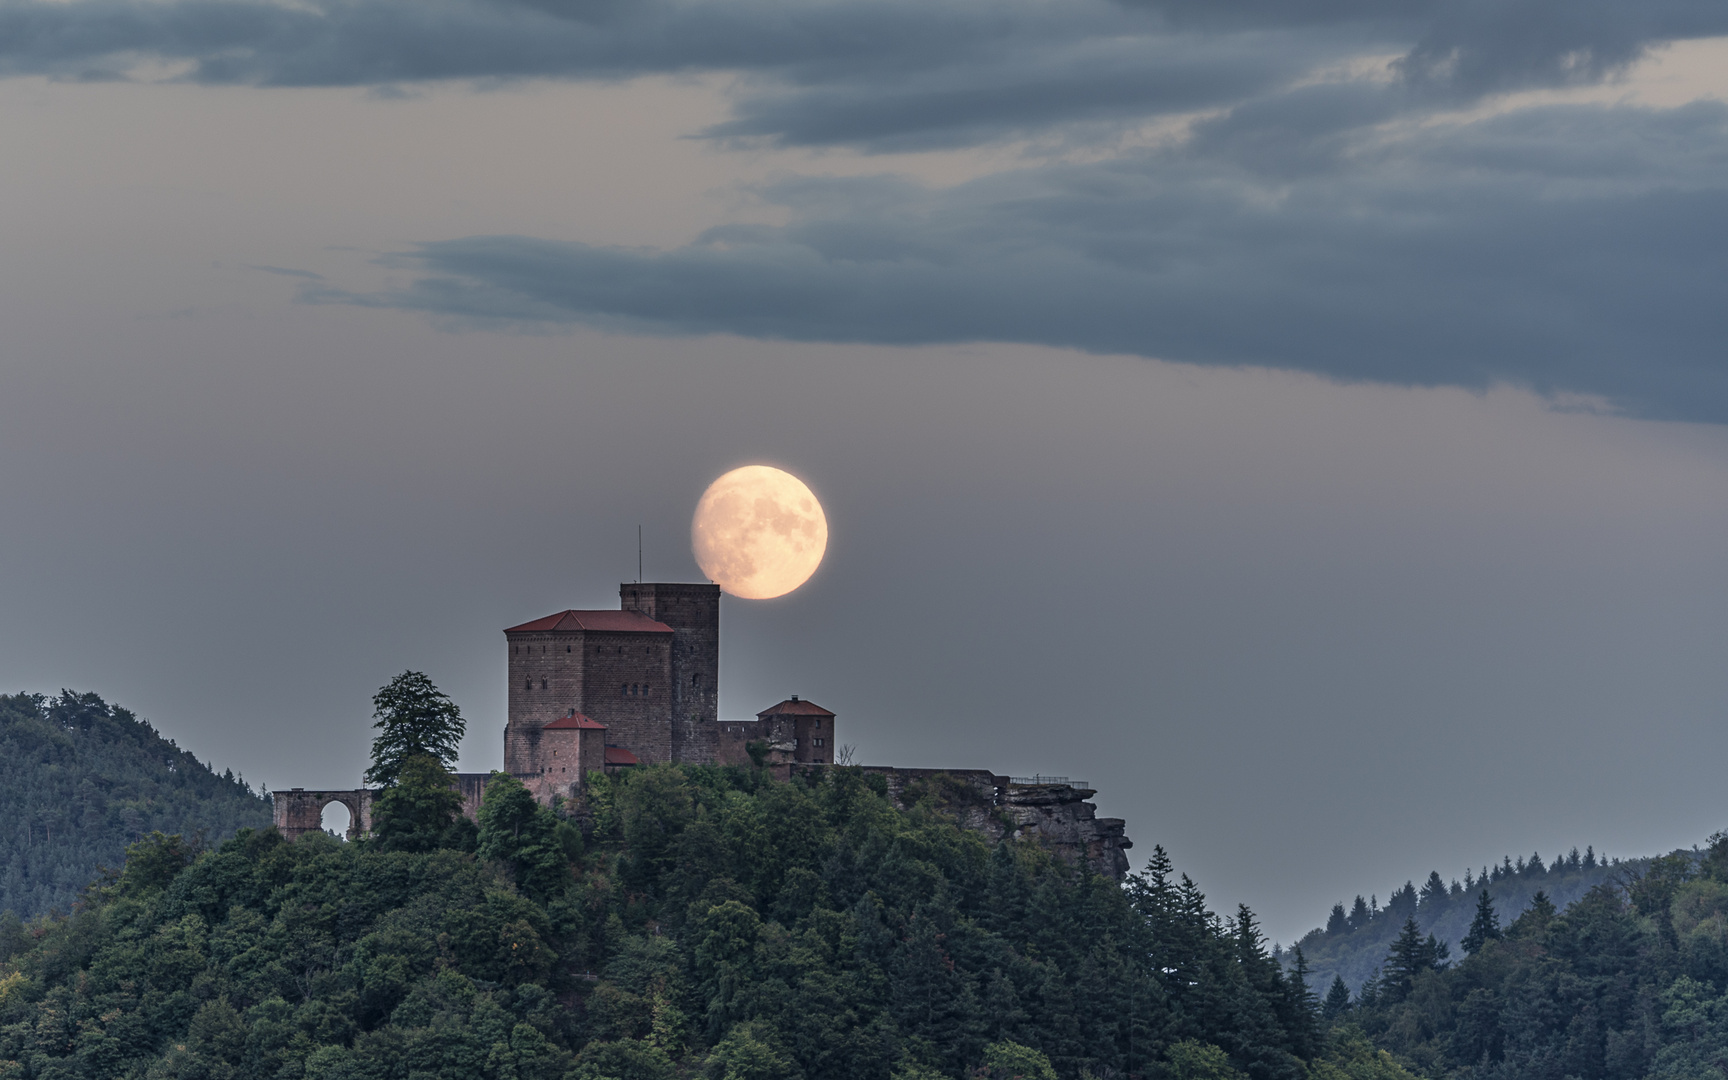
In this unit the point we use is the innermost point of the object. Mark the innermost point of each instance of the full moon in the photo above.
(759, 532)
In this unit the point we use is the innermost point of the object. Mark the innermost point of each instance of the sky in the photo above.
(1306, 422)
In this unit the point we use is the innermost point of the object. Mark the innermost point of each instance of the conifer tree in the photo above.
(1433, 890)
(1411, 955)
(1337, 1001)
(1359, 915)
(1337, 923)
(1485, 927)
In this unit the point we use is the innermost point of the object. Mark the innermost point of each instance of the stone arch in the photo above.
(297, 811)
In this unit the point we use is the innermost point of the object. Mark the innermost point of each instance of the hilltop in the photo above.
(1354, 943)
(80, 779)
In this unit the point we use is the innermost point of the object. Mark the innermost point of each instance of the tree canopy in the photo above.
(80, 779)
(414, 719)
(691, 921)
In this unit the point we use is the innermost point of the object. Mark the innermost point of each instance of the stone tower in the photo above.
(693, 614)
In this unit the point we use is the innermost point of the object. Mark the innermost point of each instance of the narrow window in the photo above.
(529, 685)
(624, 691)
(542, 684)
(599, 650)
(644, 689)
(566, 648)
(696, 679)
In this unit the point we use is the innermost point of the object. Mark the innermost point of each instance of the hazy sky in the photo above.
(1307, 421)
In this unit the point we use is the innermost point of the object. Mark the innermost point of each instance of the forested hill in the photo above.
(1355, 941)
(80, 780)
(695, 922)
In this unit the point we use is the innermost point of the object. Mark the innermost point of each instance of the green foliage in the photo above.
(1011, 1061)
(1191, 1059)
(1485, 927)
(80, 780)
(414, 719)
(1624, 983)
(420, 811)
(1356, 945)
(525, 836)
(712, 922)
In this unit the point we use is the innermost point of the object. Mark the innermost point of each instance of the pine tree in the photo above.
(1337, 1001)
(413, 717)
(1337, 923)
(1590, 857)
(1484, 928)
(1359, 915)
(1411, 955)
(1433, 890)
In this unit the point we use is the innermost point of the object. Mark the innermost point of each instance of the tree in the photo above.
(1337, 923)
(1411, 955)
(1337, 1001)
(417, 812)
(1011, 1061)
(1485, 927)
(517, 831)
(1359, 915)
(413, 718)
(1433, 890)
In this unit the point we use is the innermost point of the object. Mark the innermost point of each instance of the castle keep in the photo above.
(597, 691)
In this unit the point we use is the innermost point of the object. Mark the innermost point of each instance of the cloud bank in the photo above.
(1572, 249)
(1324, 209)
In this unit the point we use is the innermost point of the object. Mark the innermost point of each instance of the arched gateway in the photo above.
(298, 811)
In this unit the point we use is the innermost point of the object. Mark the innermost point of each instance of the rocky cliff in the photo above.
(1052, 813)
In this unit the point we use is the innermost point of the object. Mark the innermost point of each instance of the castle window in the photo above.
(566, 648)
(696, 679)
(644, 689)
(624, 691)
(529, 685)
(599, 650)
(542, 684)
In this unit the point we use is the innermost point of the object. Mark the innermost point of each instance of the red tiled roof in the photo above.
(568, 722)
(617, 755)
(794, 707)
(631, 621)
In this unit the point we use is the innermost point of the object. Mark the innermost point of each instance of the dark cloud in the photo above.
(1570, 249)
(876, 74)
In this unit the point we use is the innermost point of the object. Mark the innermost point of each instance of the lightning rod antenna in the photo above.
(638, 554)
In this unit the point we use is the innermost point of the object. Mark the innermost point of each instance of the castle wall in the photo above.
(627, 686)
(545, 676)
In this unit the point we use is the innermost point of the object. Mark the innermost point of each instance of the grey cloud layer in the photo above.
(1572, 249)
(880, 74)
(1326, 223)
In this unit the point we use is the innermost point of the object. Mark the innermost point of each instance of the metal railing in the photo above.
(1047, 780)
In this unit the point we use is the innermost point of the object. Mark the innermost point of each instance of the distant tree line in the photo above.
(1625, 983)
(80, 780)
(1354, 941)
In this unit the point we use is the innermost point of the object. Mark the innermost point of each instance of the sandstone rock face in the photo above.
(1053, 814)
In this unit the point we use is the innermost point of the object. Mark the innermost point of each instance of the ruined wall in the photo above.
(1055, 815)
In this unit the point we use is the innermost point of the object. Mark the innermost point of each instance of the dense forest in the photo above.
(80, 779)
(686, 922)
(1626, 982)
(1354, 942)
(694, 921)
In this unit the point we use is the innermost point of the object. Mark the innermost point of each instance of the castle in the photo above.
(598, 691)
